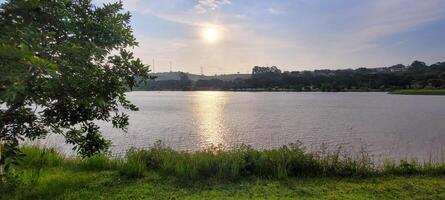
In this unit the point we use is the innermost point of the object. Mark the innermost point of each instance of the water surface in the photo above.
(387, 126)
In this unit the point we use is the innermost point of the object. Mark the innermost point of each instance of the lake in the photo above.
(386, 126)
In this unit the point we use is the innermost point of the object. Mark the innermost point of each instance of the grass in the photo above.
(419, 92)
(62, 183)
(241, 173)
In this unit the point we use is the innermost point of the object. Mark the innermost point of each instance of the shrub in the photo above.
(134, 166)
(38, 157)
(97, 162)
(217, 162)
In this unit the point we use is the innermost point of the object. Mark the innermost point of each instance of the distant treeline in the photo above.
(418, 75)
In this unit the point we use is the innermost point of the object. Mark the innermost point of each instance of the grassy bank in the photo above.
(63, 183)
(420, 92)
(160, 172)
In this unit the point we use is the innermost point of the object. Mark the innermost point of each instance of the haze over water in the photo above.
(387, 126)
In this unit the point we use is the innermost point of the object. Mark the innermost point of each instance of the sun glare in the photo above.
(211, 34)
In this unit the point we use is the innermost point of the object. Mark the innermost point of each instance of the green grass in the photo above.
(419, 92)
(242, 173)
(63, 183)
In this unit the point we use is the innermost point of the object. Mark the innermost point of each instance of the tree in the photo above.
(64, 65)
(184, 81)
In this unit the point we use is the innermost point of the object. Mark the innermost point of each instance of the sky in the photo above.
(230, 36)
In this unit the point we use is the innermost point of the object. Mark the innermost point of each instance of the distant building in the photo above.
(397, 68)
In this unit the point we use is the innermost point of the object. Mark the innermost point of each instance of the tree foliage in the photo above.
(64, 65)
(418, 75)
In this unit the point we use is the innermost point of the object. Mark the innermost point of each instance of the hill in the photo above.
(162, 76)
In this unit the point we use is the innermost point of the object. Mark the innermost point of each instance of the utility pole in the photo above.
(153, 65)
(202, 71)
(171, 66)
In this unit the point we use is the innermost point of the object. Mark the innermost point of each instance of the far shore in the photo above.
(396, 92)
(267, 90)
(419, 92)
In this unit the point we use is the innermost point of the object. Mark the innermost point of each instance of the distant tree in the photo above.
(257, 70)
(418, 64)
(436, 83)
(209, 84)
(184, 81)
(63, 66)
(417, 75)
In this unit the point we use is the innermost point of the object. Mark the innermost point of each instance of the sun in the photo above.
(211, 34)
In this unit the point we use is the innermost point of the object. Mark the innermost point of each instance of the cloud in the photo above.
(240, 48)
(186, 12)
(388, 17)
(204, 6)
(384, 18)
(275, 11)
(309, 36)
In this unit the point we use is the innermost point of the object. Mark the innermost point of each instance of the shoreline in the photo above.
(261, 90)
(437, 92)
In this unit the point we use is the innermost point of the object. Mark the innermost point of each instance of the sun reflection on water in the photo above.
(208, 108)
